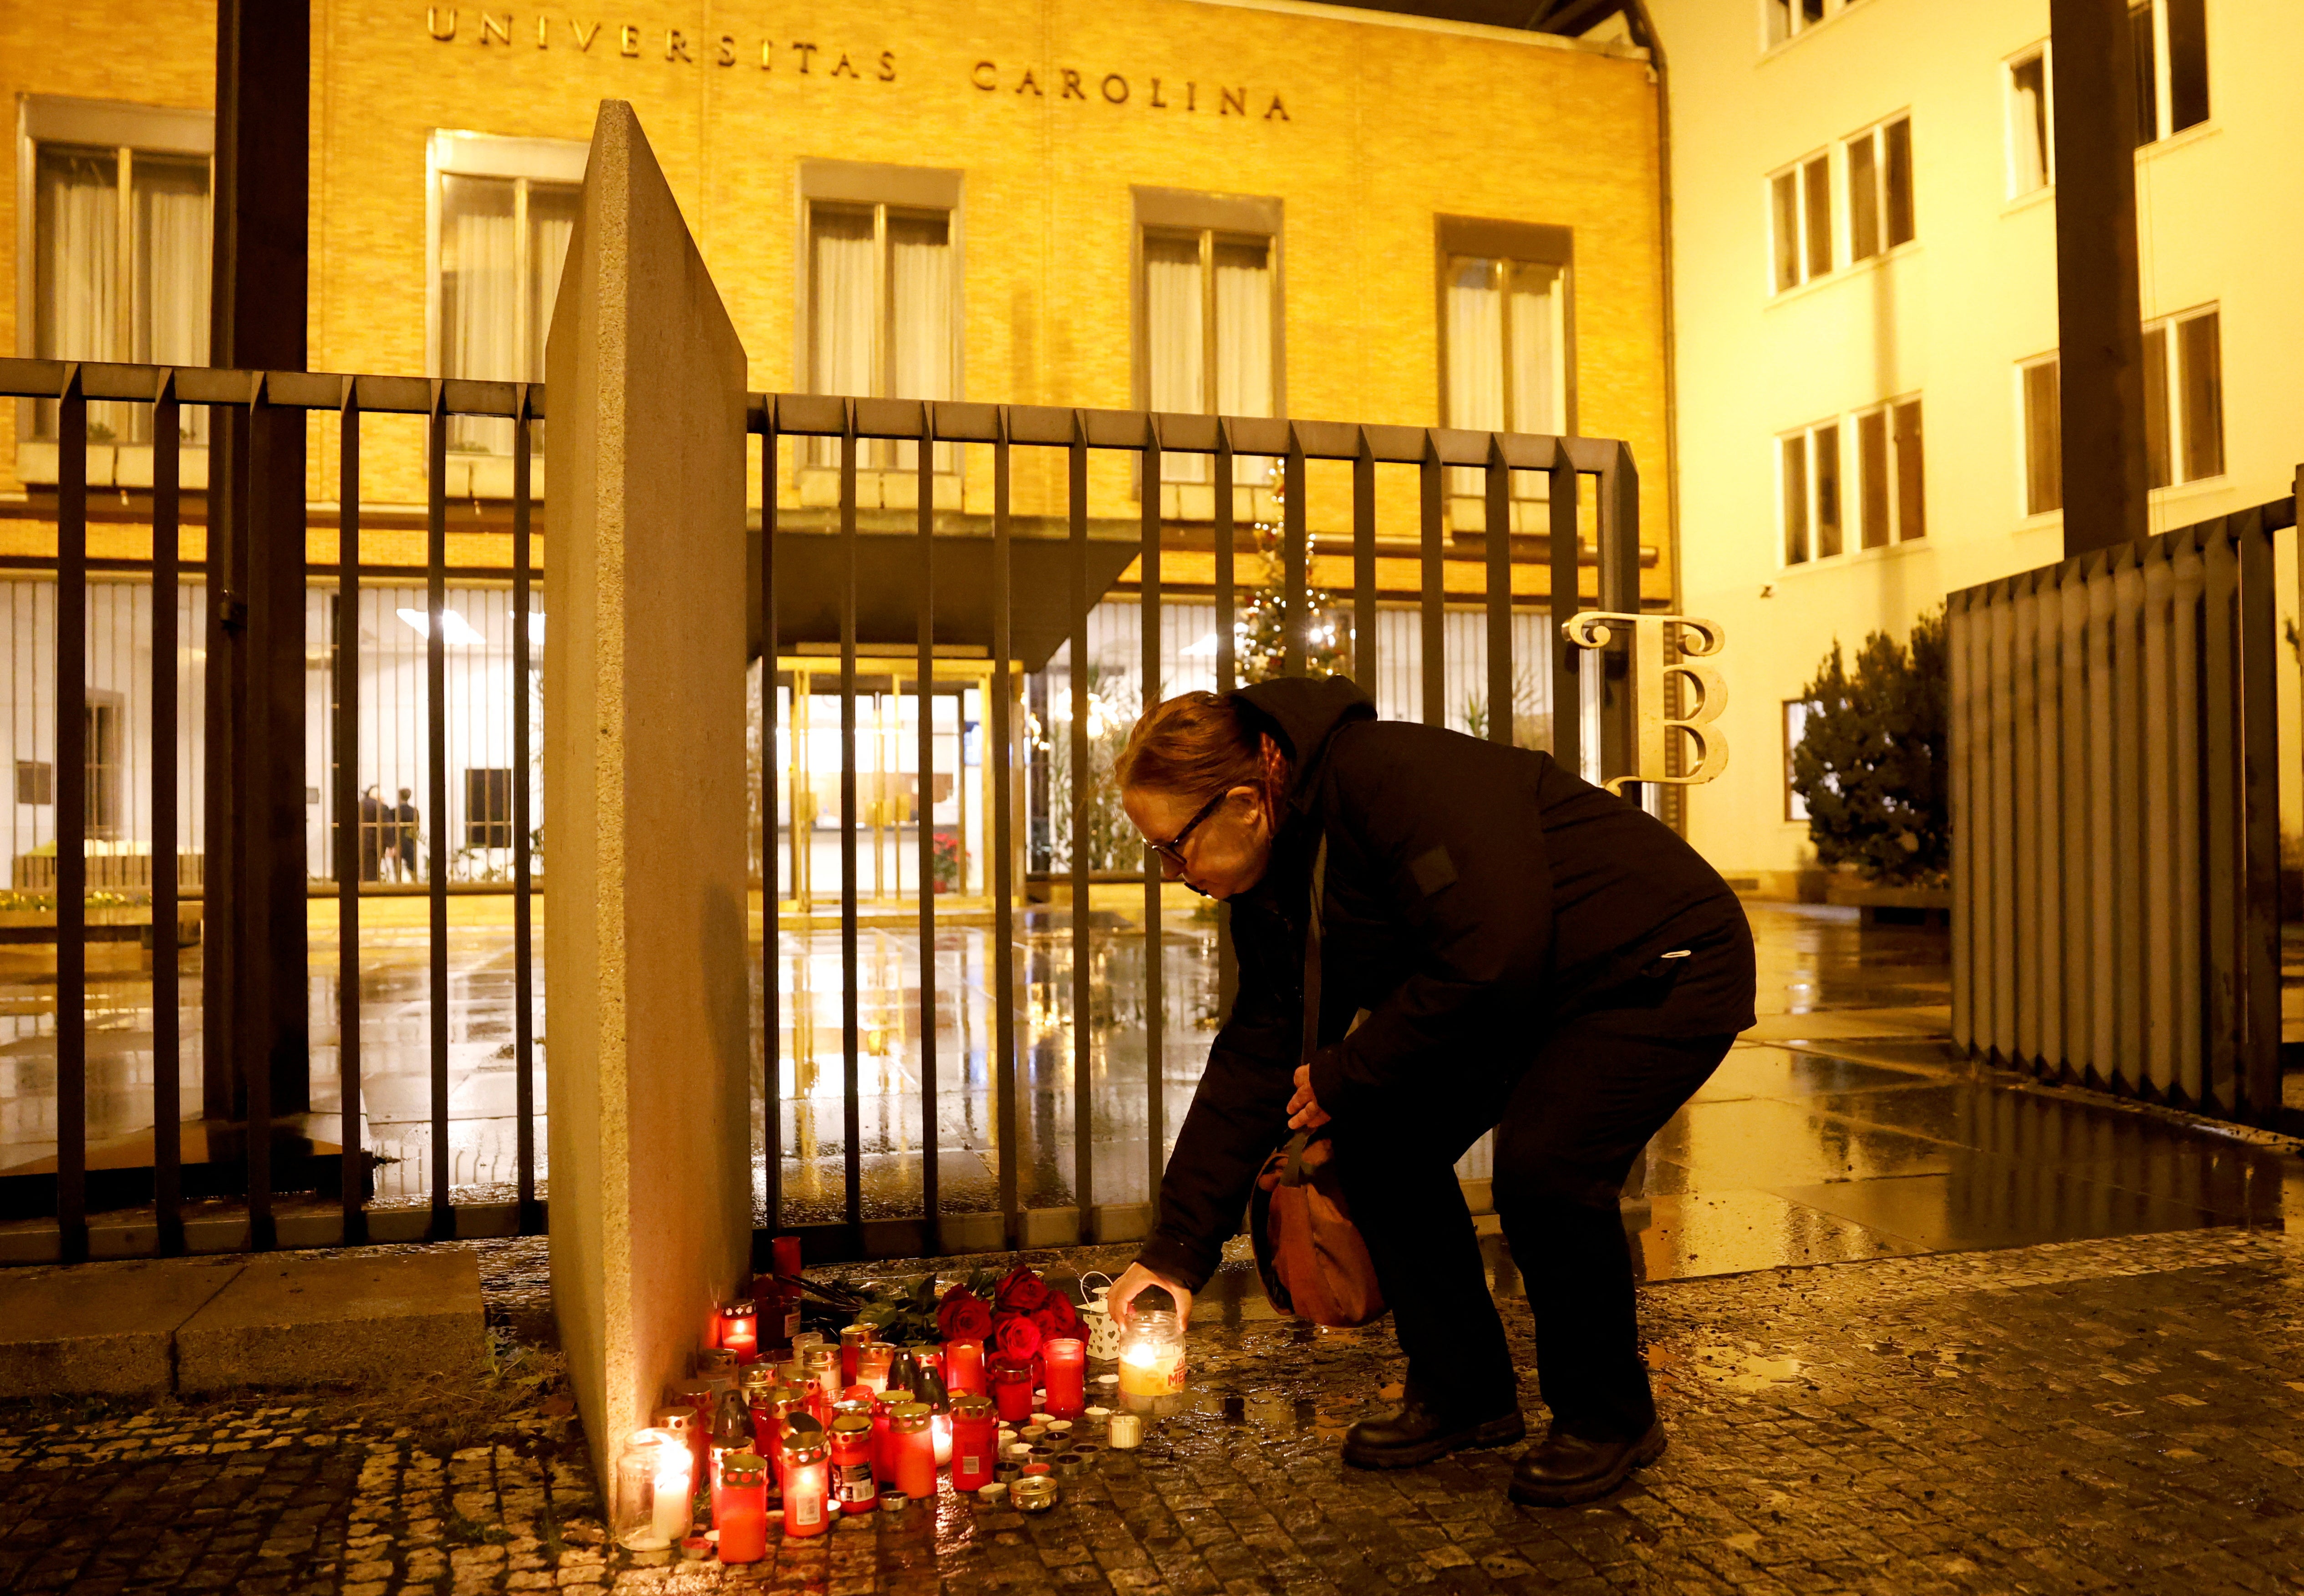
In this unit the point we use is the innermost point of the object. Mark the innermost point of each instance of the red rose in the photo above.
(1019, 1289)
(960, 1293)
(964, 1318)
(1056, 1321)
(1019, 1339)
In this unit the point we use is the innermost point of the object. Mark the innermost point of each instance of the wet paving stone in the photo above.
(2122, 1414)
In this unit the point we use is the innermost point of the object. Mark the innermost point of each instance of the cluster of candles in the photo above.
(818, 1430)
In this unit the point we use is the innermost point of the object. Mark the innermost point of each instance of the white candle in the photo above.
(675, 1506)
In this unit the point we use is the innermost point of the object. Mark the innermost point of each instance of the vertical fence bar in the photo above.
(1564, 552)
(2105, 974)
(2070, 958)
(1619, 525)
(1999, 816)
(523, 886)
(167, 1061)
(2185, 829)
(1432, 632)
(2024, 799)
(1498, 543)
(1227, 679)
(2156, 791)
(71, 819)
(1004, 843)
(1083, 994)
(353, 1188)
(1364, 622)
(850, 1028)
(1296, 627)
(2259, 783)
(2128, 857)
(1155, 946)
(257, 440)
(1227, 640)
(1959, 800)
(924, 831)
(2043, 962)
(772, 1110)
(2220, 828)
(436, 742)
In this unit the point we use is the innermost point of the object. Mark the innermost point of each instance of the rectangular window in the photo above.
(1810, 472)
(1796, 713)
(502, 211)
(880, 315)
(1504, 345)
(1788, 18)
(487, 807)
(1208, 334)
(1880, 189)
(2044, 437)
(1890, 489)
(120, 250)
(36, 781)
(1802, 199)
(2170, 38)
(2183, 398)
(2031, 148)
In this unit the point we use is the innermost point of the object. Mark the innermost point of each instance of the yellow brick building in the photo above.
(1057, 136)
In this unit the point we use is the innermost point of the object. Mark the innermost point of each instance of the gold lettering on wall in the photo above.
(1117, 99)
(727, 56)
(887, 72)
(631, 40)
(543, 40)
(1235, 102)
(503, 31)
(985, 75)
(844, 67)
(808, 55)
(675, 46)
(432, 22)
(583, 39)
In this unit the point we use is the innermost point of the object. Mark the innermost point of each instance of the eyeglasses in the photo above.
(1172, 851)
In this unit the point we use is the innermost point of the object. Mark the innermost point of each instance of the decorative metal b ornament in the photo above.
(1652, 728)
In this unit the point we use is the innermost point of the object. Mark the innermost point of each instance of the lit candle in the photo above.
(915, 1450)
(653, 1506)
(1066, 1361)
(1152, 1364)
(931, 1390)
(676, 1488)
(1125, 1431)
(740, 1509)
(1012, 1389)
(740, 1330)
(964, 1367)
(872, 1361)
(806, 1488)
(852, 1342)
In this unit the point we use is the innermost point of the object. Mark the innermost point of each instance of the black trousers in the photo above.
(1569, 1122)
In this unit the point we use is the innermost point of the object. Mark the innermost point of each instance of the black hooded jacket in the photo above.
(1477, 895)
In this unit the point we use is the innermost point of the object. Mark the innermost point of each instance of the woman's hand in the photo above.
(1124, 1289)
(1304, 1111)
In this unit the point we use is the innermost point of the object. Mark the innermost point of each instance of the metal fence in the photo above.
(2115, 797)
(1587, 698)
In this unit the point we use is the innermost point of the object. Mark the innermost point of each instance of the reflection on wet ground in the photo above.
(1839, 1127)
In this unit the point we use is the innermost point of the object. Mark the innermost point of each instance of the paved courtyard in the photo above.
(2099, 1415)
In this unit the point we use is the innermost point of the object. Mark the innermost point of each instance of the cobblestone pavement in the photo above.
(2078, 1416)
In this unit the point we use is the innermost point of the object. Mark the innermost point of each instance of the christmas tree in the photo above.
(1261, 632)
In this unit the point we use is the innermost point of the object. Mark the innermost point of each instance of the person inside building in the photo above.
(404, 820)
(1532, 953)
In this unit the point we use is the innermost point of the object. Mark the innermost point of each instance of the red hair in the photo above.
(1196, 745)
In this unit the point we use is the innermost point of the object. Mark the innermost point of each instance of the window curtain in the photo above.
(1244, 375)
(479, 303)
(840, 309)
(171, 323)
(1476, 362)
(77, 222)
(1539, 386)
(919, 320)
(1172, 342)
(551, 222)
(2029, 117)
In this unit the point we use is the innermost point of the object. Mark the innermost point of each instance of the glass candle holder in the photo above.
(872, 1360)
(964, 1367)
(852, 1341)
(783, 1402)
(853, 1489)
(807, 1488)
(740, 1509)
(740, 1330)
(654, 1492)
(1012, 1389)
(823, 1365)
(915, 1450)
(716, 1367)
(1066, 1362)
(931, 1391)
(972, 1442)
(1152, 1364)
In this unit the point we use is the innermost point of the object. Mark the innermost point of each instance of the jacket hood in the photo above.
(1304, 711)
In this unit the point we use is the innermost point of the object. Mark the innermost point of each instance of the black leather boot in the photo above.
(1570, 1468)
(1417, 1434)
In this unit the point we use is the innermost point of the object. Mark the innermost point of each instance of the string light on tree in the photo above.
(1261, 634)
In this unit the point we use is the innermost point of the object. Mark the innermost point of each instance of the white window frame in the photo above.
(1853, 529)
(2021, 372)
(450, 152)
(1783, 22)
(127, 128)
(2172, 373)
(1813, 447)
(1803, 189)
(1794, 728)
(2018, 134)
(1877, 137)
(2164, 109)
(881, 483)
(1511, 244)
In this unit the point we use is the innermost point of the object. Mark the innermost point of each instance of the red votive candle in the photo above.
(807, 1487)
(974, 1433)
(1066, 1361)
(1011, 1390)
(740, 1330)
(740, 1509)
(852, 1341)
(964, 1367)
(884, 1452)
(915, 1450)
(853, 1488)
